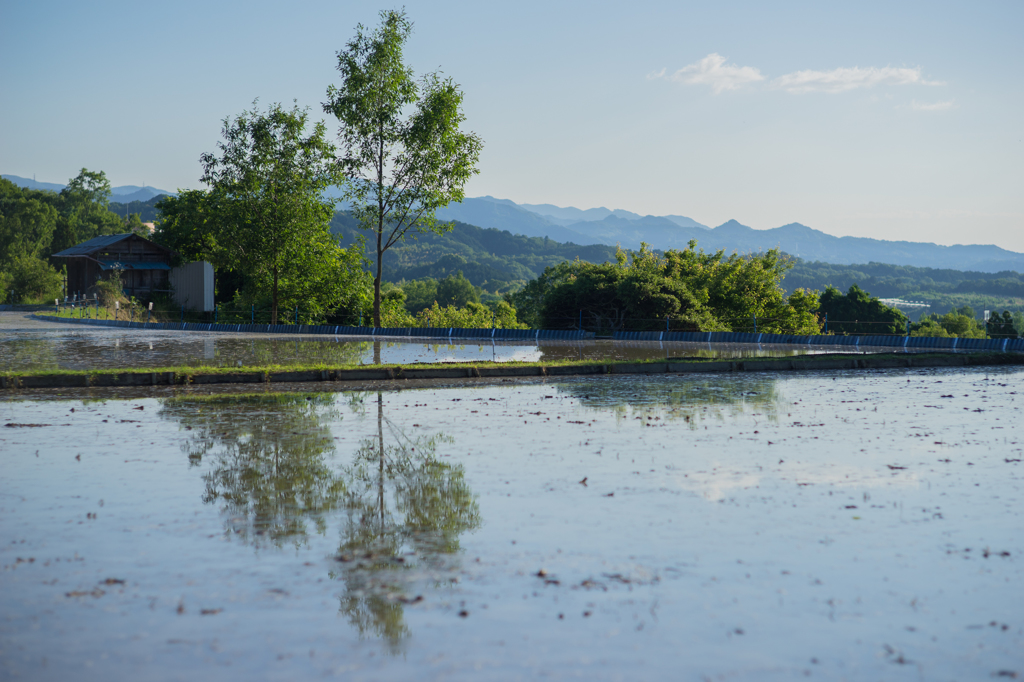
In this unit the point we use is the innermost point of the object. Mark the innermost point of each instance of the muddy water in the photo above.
(840, 526)
(105, 349)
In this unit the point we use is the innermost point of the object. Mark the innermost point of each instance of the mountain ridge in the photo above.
(121, 194)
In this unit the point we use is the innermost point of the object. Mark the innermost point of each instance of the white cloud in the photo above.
(653, 75)
(713, 71)
(932, 106)
(851, 78)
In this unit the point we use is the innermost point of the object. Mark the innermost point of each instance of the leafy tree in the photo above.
(742, 290)
(419, 294)
(267, 190)
(959, 323)
(189, 225)
(27, 222)
(638, 295)
(690, 290)
(857, 312)
(401, 168)
(1001, 326)
(83, 207)
(456, 290)
(32, 279)
(473, 316)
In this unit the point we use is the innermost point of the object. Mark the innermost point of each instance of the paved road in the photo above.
(20, 321)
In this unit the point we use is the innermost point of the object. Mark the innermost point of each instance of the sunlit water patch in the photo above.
(848, 526)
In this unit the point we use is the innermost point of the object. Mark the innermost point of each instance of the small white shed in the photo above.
(192, 286)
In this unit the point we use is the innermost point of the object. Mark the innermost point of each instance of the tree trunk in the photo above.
(273, 305)
(376, 284)
(380, 474)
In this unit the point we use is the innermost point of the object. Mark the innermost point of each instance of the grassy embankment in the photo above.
(186, 373)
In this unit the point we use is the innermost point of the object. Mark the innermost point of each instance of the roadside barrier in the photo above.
(438, 333)
(534, 335)
(886, 341)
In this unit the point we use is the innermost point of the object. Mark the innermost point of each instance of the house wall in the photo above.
(192, 286)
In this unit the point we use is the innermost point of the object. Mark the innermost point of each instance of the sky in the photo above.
(891, 120)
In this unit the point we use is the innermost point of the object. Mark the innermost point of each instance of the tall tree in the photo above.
(403, 151)
(858, 312)
(268, 185)
(84, 212)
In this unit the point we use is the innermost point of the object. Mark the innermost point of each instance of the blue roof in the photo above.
(95, 244)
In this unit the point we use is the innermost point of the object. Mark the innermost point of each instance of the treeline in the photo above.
(498, 262)
(147, 211)
(34, 224)
(943, 289)
(495, 260)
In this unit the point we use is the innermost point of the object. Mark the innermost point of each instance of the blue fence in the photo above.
(847, 342)
(534, 335)
(441, 333)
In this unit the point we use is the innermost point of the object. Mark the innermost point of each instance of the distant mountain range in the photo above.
(123, 194)
(571, 225)
(604, 226)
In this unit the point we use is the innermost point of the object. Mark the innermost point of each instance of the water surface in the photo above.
(845, 525)
(79, 349)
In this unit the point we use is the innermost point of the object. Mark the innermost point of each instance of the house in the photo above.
(144, 265)
(145, 269)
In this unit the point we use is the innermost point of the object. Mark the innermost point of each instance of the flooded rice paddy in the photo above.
(50, 350)
(855, 526)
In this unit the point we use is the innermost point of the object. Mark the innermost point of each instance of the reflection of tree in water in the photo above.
(267, 460)
(688, 398)
(405, 512)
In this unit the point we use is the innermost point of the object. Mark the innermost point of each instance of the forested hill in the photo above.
(499, 261)
(489, 258)
(146, 210)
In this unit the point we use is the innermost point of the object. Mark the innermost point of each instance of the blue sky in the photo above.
(888, 120)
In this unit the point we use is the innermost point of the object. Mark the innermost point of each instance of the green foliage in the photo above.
(35, 224)
(419, 294)
(1001, 326)
(189, 226)
(943, 289)
(456, 290)
(640, 295)
(402, 149)
(83, 211)
(500, 315)
(32, 280)
(265, 216)
(27, 222)
(857, 312)
(930, 328)
(148, 211)
(691, 289)
(960, 323)
(739, 288)
(495, 260)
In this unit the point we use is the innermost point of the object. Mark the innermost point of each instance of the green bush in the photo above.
(959, 323)
(472, 316)
(32, 280)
